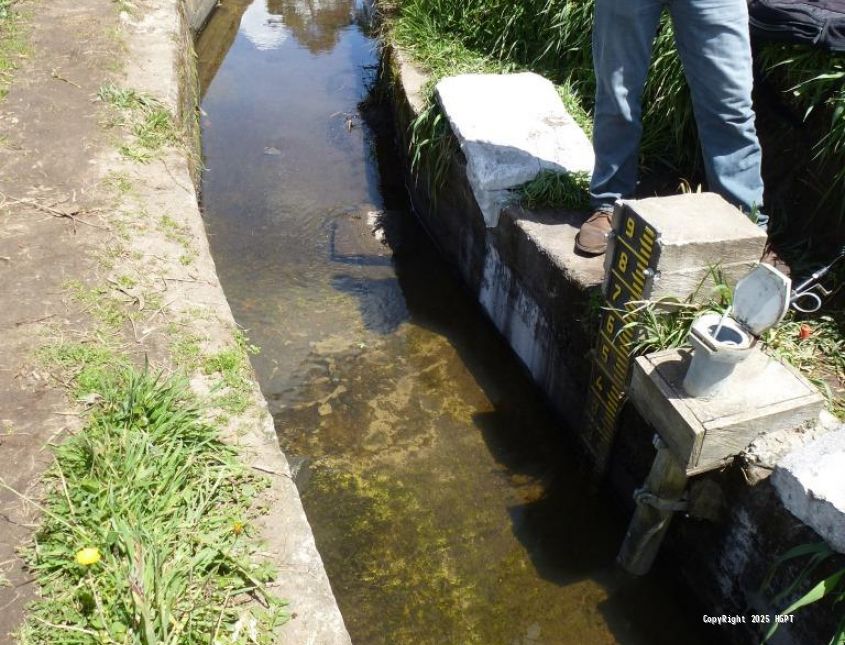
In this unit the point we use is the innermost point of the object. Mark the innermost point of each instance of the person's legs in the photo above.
(623, 35)
(713, 41)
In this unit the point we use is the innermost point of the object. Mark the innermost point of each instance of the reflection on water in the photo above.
(314, 22)
(443, 497)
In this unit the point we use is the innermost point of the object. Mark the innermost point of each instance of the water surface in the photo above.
(444, 497)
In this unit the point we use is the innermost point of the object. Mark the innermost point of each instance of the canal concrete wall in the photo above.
(162, 64)
(198, 12)
(545, 300)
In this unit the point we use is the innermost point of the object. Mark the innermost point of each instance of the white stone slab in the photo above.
(811, 484)
(510, 127)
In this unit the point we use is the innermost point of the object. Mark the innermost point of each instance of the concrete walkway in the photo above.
(83, 228)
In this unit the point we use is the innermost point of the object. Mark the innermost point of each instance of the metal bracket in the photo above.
(645, 496)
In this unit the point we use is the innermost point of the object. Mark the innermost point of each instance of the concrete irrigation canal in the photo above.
(445, 502)
(297, 347)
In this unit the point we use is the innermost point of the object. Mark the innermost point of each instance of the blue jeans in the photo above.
(713, 43)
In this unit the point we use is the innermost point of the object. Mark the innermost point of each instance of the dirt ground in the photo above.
(74, 211)
(45, 171)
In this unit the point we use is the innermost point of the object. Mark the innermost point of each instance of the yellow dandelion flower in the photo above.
(237, 528)
(88, 556)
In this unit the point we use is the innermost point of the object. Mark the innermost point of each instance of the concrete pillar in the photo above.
(661, 247)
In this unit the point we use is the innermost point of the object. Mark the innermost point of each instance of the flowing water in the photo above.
(444, 497)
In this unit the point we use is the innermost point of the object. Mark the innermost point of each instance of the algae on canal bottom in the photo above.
(445, 517)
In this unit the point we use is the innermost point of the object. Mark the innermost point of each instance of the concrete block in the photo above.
(811, 484)
(763, 396)
(694, 233)
(764, 453)
(413, 79)
(199, 11)
(491, 202)
(510, 128)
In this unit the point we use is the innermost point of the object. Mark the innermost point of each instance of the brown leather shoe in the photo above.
(592, 238)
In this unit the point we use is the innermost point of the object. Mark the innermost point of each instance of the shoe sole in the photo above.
(593, 250)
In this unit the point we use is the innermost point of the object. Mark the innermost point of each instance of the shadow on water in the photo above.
(444, 497)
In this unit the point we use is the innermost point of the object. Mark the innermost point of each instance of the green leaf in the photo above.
(815, 594)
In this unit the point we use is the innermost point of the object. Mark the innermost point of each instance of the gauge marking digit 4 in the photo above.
(629, 274)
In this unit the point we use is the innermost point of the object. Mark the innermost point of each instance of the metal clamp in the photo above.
(645, 496)
(807, 296)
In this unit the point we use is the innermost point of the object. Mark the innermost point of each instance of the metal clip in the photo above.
(811, 290)
(645, 496)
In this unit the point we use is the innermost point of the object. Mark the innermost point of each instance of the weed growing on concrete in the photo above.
(99, 302)
(557, 190)
(150, 122)
(180, 234)
(432, 147)
(185, 348)
(125, 6)
(82, 365)
(174, 231)
(232, 366)
(233, 390)
(120, 183)
(146, 527)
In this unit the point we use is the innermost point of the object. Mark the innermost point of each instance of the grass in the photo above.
(233, 392)
(828, 587)
(120, 183)
(99, 302)
(13, 43)
(82, 366)
(816, 347)
(150, 486)
(665, 323)
(150, 122)
(180, 234)
(557, 190)
(232, 366)
(813, 83)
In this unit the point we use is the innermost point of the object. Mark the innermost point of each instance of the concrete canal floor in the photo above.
(445, 501)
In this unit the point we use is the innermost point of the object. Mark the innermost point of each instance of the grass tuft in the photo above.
(83, 366)
(557, 190)
(162, 507)
(100, 303)
(150, 122)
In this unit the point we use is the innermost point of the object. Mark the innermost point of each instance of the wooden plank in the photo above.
(730, 435)
(681, 431)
